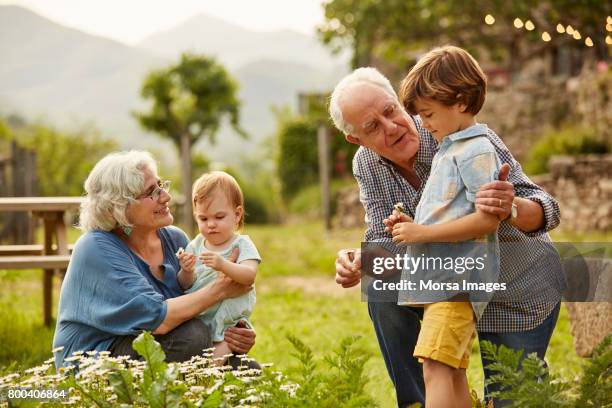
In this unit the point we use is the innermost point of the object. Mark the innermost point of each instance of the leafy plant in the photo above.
(567, 141)
(529, 383)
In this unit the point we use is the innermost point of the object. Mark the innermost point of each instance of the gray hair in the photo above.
(360, 75)
(113, 183)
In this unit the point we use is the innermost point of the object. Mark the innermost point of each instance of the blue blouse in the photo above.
(109, 291)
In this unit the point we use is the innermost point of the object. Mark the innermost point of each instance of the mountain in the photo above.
(235, 46)
(68, 76)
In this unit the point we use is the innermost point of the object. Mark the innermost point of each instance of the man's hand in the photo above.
(240, 339)
(187, 261)
(395, 218)
(408, 233)
(348, 267)
(496, 198)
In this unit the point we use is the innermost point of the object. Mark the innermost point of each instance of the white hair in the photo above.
(114, 183)
(360, 75)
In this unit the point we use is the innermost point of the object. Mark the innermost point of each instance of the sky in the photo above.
(130, 21)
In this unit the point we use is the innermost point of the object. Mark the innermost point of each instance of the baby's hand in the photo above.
(407, 232)
(187, 261)
(212, 260)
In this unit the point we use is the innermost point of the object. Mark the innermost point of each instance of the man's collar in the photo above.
(475, 130)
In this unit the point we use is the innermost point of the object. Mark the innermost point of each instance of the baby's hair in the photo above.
(218, 180)
(448, 75)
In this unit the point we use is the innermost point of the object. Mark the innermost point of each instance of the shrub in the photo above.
(567, 141)
(297, 161)
(529, 383)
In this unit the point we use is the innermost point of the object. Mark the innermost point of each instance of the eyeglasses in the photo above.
(162, 185)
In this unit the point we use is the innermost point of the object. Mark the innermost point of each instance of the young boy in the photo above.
(447, 89)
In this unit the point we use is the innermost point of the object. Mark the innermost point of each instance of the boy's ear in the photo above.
(352, 139)
(462, 107)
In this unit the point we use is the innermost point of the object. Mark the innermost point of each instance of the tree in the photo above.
(190, 100)
(391, 31)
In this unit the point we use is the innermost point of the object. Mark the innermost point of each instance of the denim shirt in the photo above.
(109, 291)
(465, 161)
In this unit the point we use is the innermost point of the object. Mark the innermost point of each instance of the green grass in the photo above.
(296, 295)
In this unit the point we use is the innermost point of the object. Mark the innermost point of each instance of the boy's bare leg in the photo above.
(440, 386)
(462, 390)
(220, 353)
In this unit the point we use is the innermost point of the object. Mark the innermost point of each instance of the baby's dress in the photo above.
(228, 312)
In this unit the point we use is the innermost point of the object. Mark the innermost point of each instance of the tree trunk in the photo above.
(186, 164)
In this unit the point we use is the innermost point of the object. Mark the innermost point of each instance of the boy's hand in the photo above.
(394, 218)
(187, 261)
(408, 233)
(212, 260)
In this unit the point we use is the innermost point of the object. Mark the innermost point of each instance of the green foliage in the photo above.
(595, 389)
(190, 98)
(528, 383)
(392, 30)
(566, 141)
(63, 159)
(297, 161)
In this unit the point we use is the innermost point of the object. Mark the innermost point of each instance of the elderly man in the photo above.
(392, 165)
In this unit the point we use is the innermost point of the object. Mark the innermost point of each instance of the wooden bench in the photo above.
(17, 250)
(48, 263)
(54, 254)
(35, 262)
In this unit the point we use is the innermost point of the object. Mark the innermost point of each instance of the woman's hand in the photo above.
(240, 339)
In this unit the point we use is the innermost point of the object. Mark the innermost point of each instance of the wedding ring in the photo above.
(500, 202)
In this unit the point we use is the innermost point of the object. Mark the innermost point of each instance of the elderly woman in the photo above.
(124, 276)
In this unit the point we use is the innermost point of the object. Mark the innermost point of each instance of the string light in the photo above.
(560, 28)
(546, 36)
(489, 19)
(609, 27)
(529, 25)
(609, 20)
(608, 40)
(569, 30)
(518, 23)
(588, 42)
(577, 35)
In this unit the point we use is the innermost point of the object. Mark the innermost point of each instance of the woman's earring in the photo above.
(127, 231)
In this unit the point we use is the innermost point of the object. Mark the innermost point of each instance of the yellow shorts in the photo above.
(447, 333)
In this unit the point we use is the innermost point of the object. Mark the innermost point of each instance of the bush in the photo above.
(63, 159)
(529, 384)
(567, 141)
(297, 161)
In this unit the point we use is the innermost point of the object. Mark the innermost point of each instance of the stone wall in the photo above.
(581, 184)
(534, 103)
(583, 187)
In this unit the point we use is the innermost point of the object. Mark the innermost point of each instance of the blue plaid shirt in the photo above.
(528, 261)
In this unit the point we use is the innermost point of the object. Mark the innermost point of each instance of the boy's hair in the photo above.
(204, 186)
(448, 75)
